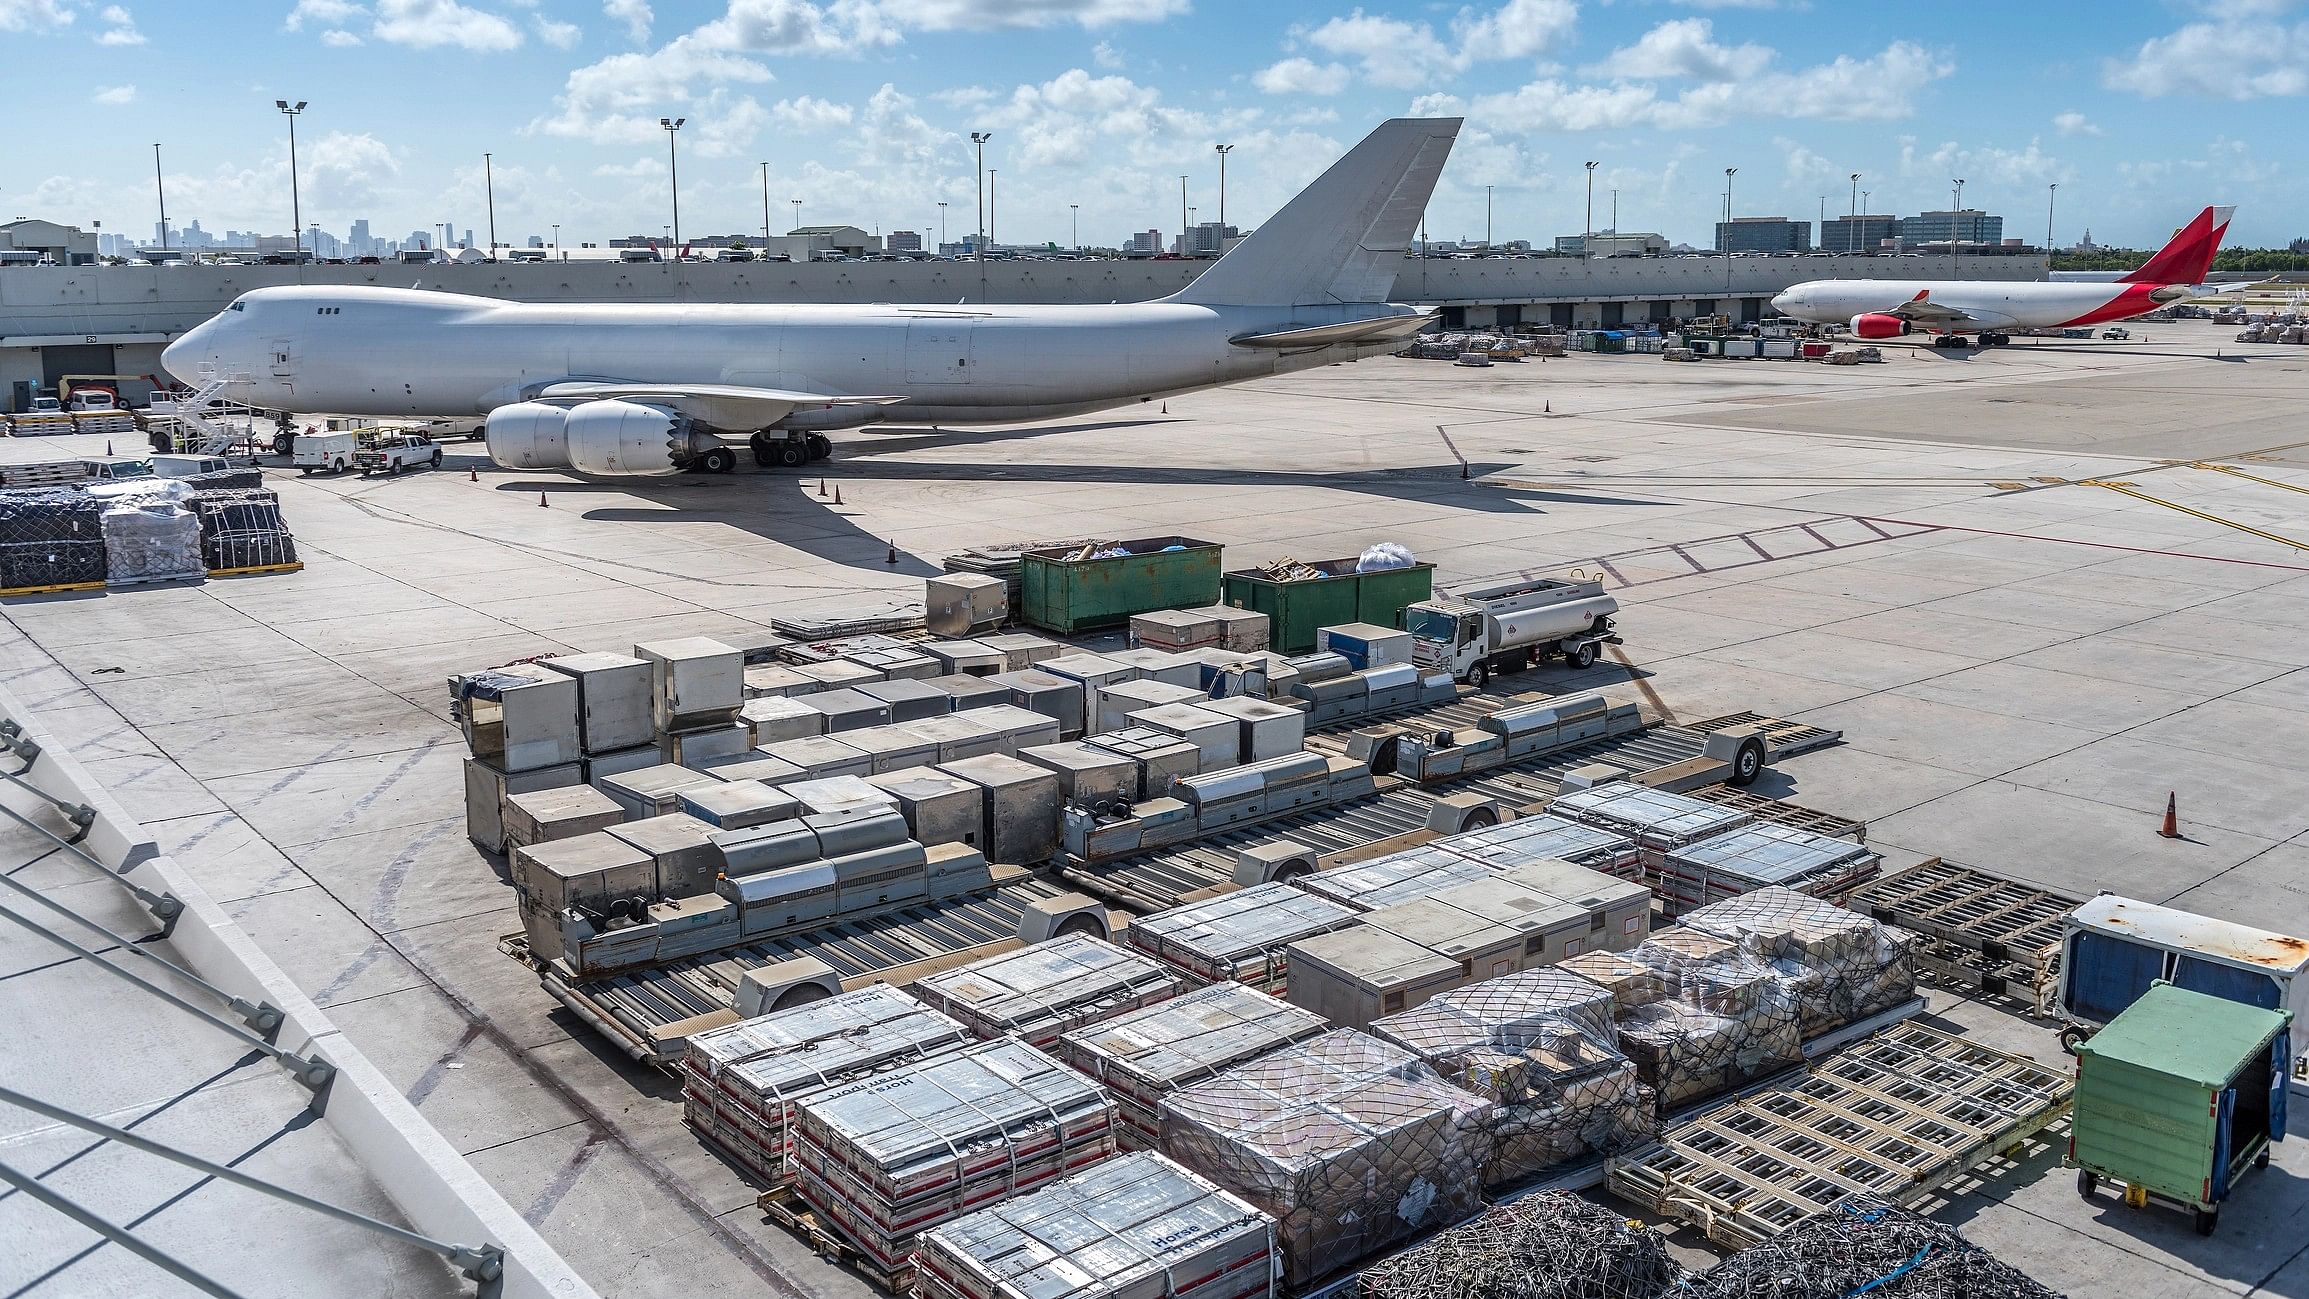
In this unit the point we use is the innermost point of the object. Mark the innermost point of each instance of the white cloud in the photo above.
(119, 27)
(950, 15)
(433, 24)
(558, 34)
(619, 99)
(116, 95)
(1982, 165)
(1518, 29)
(1878, 88)
(635, 14)
(811, 114)
(1297, 76)
(339, 38)
(2075, 123)
(1685, 49)
(1105, 55)
(1406, 55)
(323, 13)
(34, 15)
(2238, 52)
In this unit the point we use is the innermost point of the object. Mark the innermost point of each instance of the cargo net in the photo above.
(1839, 966)
(149, 534)
(1550, 1245)
(1541, 1047)
(1705, 1018)
(243, 529)
(1865, 1247)
(1351, 1144)
(50, 537)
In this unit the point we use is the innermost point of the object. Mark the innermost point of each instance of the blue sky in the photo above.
(2141, 112)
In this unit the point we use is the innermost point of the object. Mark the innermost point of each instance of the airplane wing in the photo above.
(717, 405)
(1924, 311)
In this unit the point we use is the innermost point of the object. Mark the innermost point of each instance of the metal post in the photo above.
(264, 1017)
(797, 212)
(942, 225)
(296, 201)
(991, 237)
(765, 209)
(120, 1236)
(161, 188)
(1487, 217)
(1849, 222)
(1224, 150)
(489, 193)
(557, 241)
(1182, 216)
(673, 179)
(2052, 193)
(1587, 241)
(1076, 208)
(978, 246)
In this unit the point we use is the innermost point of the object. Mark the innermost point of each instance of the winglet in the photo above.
(2188, 256)
(1921, 295)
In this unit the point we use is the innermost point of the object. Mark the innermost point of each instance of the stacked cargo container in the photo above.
(1039, 992)
(1144, 1055)
(1239, 937)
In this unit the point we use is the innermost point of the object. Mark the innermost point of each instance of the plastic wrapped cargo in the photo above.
(149, 534)
(1726, 1020)
(1350, 1143)
(740, 1082)
(1838, 965)
(1758, 856)
(243, 529)
(1133, 1227)
(1039, 992)
(1143, 1055)
(883, 1159)
(1541, 1047)
(1239, 936)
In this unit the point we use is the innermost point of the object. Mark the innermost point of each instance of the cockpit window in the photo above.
(237, 306)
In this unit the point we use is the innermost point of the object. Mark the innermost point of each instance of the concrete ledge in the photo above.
(439, 1192)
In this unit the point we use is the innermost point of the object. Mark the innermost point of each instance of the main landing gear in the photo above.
(1960, 341)
(790, 451)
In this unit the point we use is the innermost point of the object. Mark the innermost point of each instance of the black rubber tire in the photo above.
(2072, 1036)
(1747, 762)
(2207, 1221)
(800, 995)
(792, 455)
(284, 444)
(1580, 657)
(820, 446)
(2086, 1183)
(765, 451)
(2261, 1160)
(1080, 925)
(1479, 676)
(436, 458)
(393, 469)
(1482, 818)
(718, 460)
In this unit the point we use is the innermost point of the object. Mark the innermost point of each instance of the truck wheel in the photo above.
(719, 460)
(2073, 1037)
(1479, 676)
(2207, 1220)
(2261, 1160)
(1747, 762)
(436, 458)
(2086, 1183)
(1580, 657)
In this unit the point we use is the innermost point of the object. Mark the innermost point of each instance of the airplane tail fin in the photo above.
(1343, 238)
(2189, 255)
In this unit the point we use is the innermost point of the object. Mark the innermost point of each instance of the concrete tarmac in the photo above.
(2023, 661)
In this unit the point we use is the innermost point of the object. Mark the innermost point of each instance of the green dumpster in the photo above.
(1065, 594)
(1295, 607)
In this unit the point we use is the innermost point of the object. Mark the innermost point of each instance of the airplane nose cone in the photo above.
(1781, 302)
(182, 358)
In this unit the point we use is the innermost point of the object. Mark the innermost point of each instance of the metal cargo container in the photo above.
(964, 658)
(519, 718)
(740, 1081)
(1018, 727)
(2178, 1097)
(896, 662)
(1171, 669)
(738, 804)
(1134, 1227)
(1159, 758)
(1216, 737)
(960, 735)
(781, 900)
(820, 756)
(1240, 936)
(1088, 776)
(694, 681)
(1619, 912)
(910, 699)
(653, 790)
(1757, 856)
(1494, 927)
(773, 846)
(1066, 590)
(696, 748)
(1022, 649)
(1245, 631)
(1165, 630)
(772, 718)
(965, 691)
(1297, 605)
(891, 748)
(487, 788)
(1036, 993)
(542, 816)
(847, 710)
(938, 808)
(1265, 730)
(588, 870)
(601, 766)
(1657, 820)
(1021, 807)
(839, 796)
(836, 673)
(1545, 836)
(757, 765)
(2113, 948)
(957, 604)
(1057, 698)
(1091, 673)
(681, 845)
(1359, 974)
(1366, 645)
(777, 681)
(1143, 1054)
(1117, 703)
(613, 699)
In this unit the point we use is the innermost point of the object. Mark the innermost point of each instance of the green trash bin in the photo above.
(1296, 607)
(1060, 593)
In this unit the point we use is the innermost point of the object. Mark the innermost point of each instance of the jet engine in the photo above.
(612, 438)
(1878, 324)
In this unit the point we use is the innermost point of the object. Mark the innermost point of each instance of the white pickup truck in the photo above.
(394, 452)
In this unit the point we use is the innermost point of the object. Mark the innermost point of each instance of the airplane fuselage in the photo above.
(1987, 305)
(395, 352)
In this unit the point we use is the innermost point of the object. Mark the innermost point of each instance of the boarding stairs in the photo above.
(191, 413)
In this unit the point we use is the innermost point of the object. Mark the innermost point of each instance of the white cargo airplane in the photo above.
(1950, 309)
(656, 388)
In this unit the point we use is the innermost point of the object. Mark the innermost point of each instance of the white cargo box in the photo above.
(613, 699)
(1217, 737)
(694, 681)
(1266, 729)
(1119, 702)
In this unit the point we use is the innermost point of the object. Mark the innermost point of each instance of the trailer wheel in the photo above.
(2073, 1037)
(1580, 657)
(1747, 762)
(2261, 1160)
(2207, 1220)
(801, 994)
(1479, 676)
(792, 455)
(2086, 1183)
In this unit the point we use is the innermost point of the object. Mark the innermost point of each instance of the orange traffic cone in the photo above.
(472, 474)
(837, 493)
(541, 500)
(821, 489)
(2171, 829)
(108, 446)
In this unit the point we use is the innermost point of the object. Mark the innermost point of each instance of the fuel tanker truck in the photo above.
(1474, 634)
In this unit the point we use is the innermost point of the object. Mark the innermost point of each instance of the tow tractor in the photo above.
(1478, 633)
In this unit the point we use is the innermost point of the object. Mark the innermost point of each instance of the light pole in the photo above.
(1956, 206)
(942, 225)
(1615, 209)
(979, 139)
(162, 190)
(1182, 216)
(557, 242)
(1851, 234)
(992, 174)
(1487, 218)
(1587, 241)
(2052, 193)
(1729, 172)
(797, 212)
(1077, 210)
(489, 197)
(1224, 150)
(765, 211)
(296, 204)
(673, 179)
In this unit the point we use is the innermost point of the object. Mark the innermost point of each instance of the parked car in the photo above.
(2117, 332)
(394, 452)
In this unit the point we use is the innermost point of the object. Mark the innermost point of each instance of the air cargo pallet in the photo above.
(784, 1207)
(8, 591)
(293, 566)
(1980, 931)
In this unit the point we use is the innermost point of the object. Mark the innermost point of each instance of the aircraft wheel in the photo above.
(719, 460)
(792, 454)
(821, 447)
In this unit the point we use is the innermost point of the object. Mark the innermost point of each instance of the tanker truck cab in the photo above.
(1478, 633)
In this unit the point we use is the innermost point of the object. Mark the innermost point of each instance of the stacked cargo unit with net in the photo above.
(1239, 937)
(1145, 1055)
(740, 1082)
(883, 1159)
(1039, 992)
(1352, 1144)
(1839, 966)
(1134, 1227)
(1761, 855)
(1541, 1047)
(1710, 1020)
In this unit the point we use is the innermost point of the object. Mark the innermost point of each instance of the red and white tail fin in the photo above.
(2189, 255)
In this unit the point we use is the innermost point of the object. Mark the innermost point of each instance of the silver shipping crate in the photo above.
(487, 788)
(777, 681)
(705, 744)
(836, 673)
(757, 850)
(521, 717)
(784, 899)
(892, 748)
(739, 804)
(1119, 702)
(694, 681)
(601, 766)
(653, 790)
(1021, 807)
(838, 795)
(965, 657)
(1244, 631)
(613, 693)
(687, 859)
(848, 710)
(1161, 758)
(896, 663)
(910, 699)
(1036, 993)
(1218, 738)
(1022, 649)
(1020, 727)
(1088, 776)
(587, 870)
(1057, 698)
(1167, 666)
(957, 604)
(772, 718)
(966, 691)
(1091, 673)
(961, 735)
(564, 812)
(820, 756)
(757, 765)
(1174, 629)
(939, 808)
(1266, 729)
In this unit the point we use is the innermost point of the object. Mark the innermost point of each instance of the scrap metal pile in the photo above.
(1865, 1247)
(1551, 1245)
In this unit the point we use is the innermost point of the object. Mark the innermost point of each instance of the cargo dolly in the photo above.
(1980, 931)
